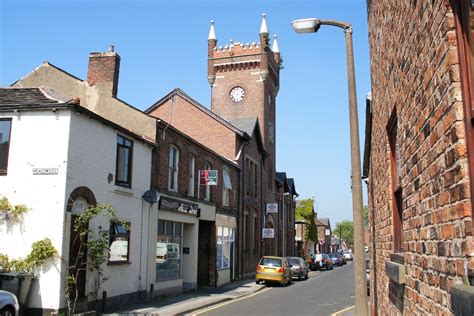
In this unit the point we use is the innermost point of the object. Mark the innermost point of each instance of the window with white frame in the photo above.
(207, 196)
(192, 172)
(226, 188)
(173, 168)
(225, 246)
(119, 242)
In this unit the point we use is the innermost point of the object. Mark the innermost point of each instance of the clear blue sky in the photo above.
(163, 45)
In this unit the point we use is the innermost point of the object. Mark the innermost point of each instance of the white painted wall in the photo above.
(84, 151)
(91, 158)
(38, 140)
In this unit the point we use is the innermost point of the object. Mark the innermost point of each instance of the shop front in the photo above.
(177, 243)
(225, 248)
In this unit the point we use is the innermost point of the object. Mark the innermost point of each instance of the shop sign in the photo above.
(178, 206)
(208, 177)
(268, 233)
(272, 208)
(45, 171)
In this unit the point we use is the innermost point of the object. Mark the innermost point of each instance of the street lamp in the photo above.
(312, 26)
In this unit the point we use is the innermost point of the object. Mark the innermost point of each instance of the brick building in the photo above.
(240, 127)
(419, 156)
(324, 235)
(207, 233)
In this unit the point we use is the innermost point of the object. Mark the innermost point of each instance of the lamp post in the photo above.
(312, 25)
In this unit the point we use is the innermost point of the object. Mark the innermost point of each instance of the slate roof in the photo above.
(11, 97)
(246, 124)
(291, 184)
(281, 177)
(324, 221)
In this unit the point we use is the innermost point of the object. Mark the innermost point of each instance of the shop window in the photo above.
(5, 128)
(173, 161)
(225, 246)
(119, 243)
(124, 162)
(168, 249)
(227, 188)
(396, 189)
(192, 173)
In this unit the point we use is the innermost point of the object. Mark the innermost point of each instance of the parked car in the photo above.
(367, 273)
(348, 255)
(326, 262)
(313, 263)
(8, 304)
(336, 259)
(299, 268)
(273, 269)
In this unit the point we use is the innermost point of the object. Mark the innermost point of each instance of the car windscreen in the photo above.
(271, 262)
(294, 261)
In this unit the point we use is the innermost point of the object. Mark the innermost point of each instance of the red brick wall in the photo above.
(187, 147)
(199, 125)
(414, 68)
(104, 67)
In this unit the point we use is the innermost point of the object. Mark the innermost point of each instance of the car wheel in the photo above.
(7, 311)
(284, 283)
(300, 276)
(257, 281)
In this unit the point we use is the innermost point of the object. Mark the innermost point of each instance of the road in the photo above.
(324, 293)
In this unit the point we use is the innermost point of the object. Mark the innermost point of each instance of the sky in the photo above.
(163, 46)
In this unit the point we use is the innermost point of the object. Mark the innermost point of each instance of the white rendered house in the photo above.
(57, 157)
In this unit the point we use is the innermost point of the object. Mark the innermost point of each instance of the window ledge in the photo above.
(118, 263)
(395, 272)
(123, 190)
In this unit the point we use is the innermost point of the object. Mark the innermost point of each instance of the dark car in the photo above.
(299, 268)
(336, 259)
(326, 262)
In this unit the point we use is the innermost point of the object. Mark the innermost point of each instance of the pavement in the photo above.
(187, 303)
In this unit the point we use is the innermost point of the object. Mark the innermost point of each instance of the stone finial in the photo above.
(212, 32)
(275, 47)
(264, 28)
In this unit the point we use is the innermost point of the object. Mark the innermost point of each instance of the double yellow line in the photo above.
(230, 302)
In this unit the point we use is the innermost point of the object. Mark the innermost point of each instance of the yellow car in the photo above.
(273, 269)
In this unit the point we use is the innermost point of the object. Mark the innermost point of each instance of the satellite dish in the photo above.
(150, 196)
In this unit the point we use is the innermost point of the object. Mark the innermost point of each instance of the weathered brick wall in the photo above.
(196, 123)
(186, 147)
(414, 67)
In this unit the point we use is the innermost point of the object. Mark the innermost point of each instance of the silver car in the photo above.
(8, 304)
(299, 267)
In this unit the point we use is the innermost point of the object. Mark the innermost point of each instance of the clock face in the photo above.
(237, 94)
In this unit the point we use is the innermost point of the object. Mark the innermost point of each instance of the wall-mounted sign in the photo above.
(272, 208)
(328, 232)
(268, 233)
(45, 171)
(174, 205)
(208, 177)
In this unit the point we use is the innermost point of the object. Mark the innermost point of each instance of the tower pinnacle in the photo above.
(264, 28)
(212, 32)
(275, 47)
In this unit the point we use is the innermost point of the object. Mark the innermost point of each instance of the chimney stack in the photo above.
(103, 70)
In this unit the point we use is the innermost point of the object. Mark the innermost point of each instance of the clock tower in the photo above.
(244, 78)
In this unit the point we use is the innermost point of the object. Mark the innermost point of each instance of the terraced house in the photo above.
(419, 157)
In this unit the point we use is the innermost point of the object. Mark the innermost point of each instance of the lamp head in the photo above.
(306, 25)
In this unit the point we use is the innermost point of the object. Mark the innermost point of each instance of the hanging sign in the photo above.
(208, 177)
(272, 208)
(268, 233)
